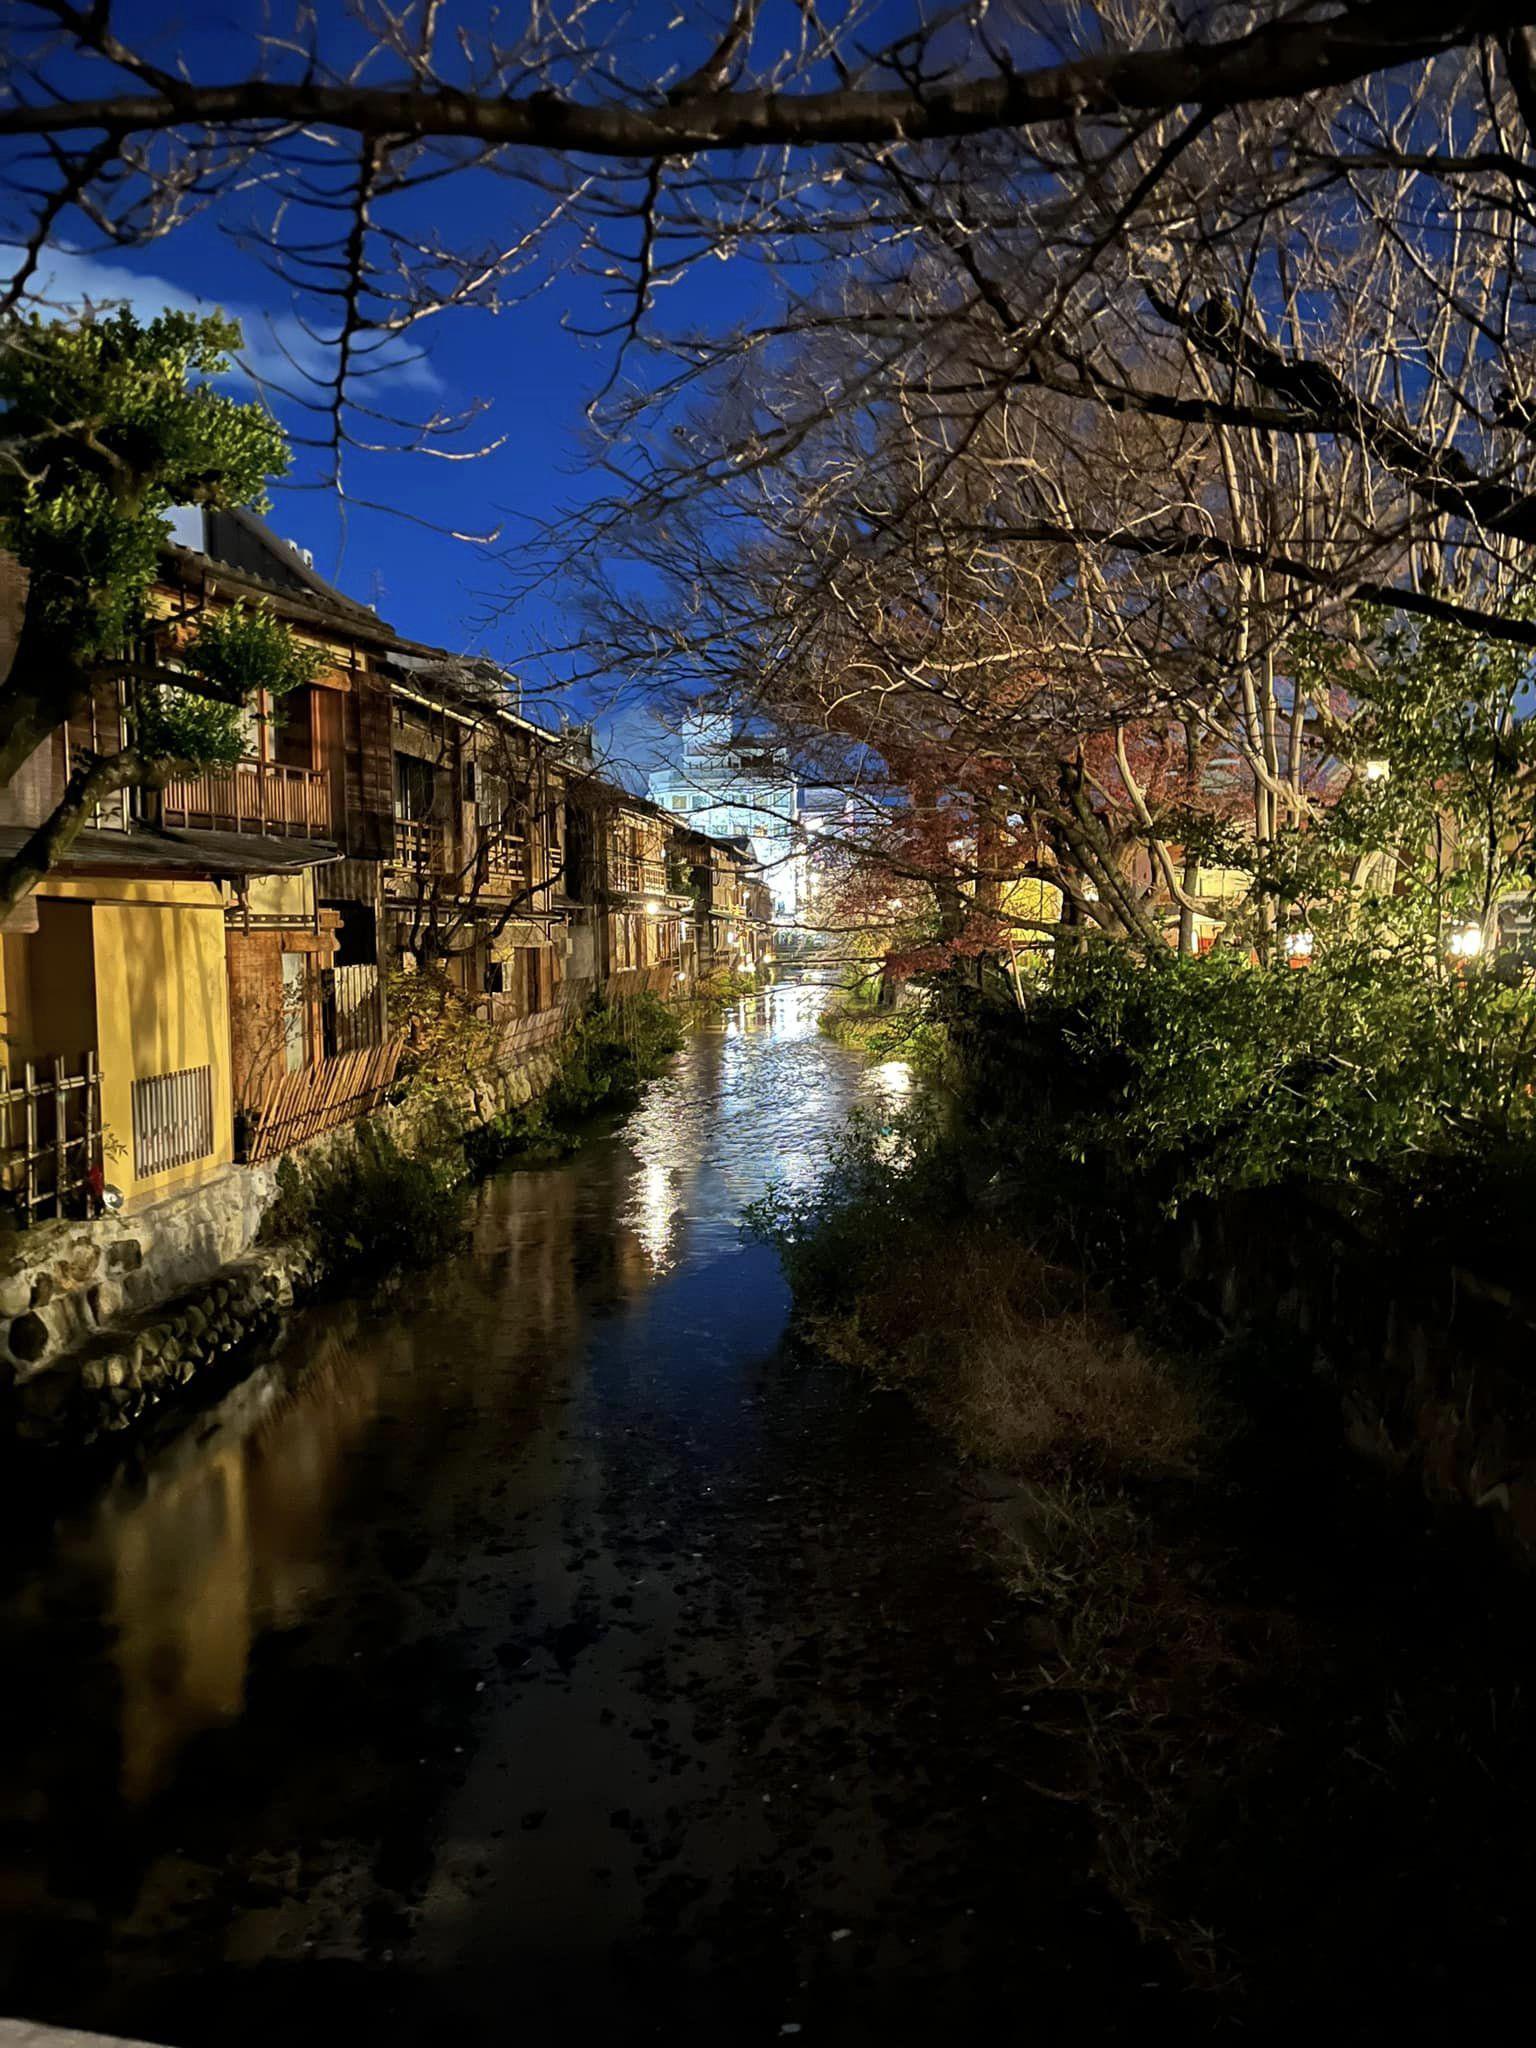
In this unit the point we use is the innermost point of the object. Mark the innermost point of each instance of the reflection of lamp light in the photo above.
(1298, 947)
(652, 907)
(1378, 771)
(1465, 942)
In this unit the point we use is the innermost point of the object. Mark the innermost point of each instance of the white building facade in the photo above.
(733, 787)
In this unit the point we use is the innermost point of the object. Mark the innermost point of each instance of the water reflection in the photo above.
(283, 1499)
(220, 1542)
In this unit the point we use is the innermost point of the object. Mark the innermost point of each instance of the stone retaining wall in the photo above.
(61, 1283)
(102, 1320)
(116, 1378)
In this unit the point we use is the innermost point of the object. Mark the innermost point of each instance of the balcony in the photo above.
(254, 796)
(628, 874)
(421, 846)
(501, 865)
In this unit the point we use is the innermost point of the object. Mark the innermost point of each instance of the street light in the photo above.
(652, 907)
(1465, 942)
(1298, 948)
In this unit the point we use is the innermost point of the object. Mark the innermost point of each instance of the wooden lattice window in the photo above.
(172, 1119)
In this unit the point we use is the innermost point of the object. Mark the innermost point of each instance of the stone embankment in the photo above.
(101, 1322)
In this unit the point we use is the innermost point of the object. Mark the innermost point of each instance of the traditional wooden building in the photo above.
(206, 977)
(627, 885)
(730, 929)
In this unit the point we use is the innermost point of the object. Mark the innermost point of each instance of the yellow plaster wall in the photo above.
(162, 1003)
(48, 998)
(290, 896)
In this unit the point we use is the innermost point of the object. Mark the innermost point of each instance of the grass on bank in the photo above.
(1294, 1705)
(374, 1207)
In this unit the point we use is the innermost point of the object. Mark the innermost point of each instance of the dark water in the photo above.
(551, 1650)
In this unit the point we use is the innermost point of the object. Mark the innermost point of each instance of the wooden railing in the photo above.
(501, 865)
(50, 1138)
(420, 845)
(253, 796)
(638, 877)
(287, 1109)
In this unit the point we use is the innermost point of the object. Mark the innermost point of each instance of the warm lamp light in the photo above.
(1465, 942)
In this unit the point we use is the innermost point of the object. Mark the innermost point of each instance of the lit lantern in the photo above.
(1465, 942)
(1378, 771)
(1299, 948)
(652, 907)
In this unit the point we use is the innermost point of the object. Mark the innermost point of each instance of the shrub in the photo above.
(370, 1207)
(722, 987)
(1364, 1072)
(615, 1049)
(895, 1273)
(448, 1045)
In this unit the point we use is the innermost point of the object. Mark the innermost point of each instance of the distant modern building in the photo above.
(731, 786)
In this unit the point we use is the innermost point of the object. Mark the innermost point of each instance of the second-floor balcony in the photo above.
(265, 797)
(421, 846)
(501, 866)
(630, 874)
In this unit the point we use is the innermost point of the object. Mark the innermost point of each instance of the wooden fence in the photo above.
(50, 1137)
(291, 1108)
(517, 1036)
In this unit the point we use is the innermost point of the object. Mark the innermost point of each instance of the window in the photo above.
(172, 1119)
(495, 803)
(415, 787)
(295, 1011)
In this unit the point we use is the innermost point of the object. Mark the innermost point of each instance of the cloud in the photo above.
(278, 349)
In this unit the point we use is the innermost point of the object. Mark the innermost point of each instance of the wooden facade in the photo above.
(395, 813)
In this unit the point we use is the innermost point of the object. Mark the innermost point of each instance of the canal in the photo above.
(551, 1646)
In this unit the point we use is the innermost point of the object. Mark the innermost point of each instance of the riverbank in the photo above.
(1287, 1688)
(348, 1209)
(552, 1641)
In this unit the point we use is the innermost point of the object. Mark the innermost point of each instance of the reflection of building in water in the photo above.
(223, 1543)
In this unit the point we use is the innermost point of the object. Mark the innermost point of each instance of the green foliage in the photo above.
(178, 726)
(448, 1045)
(886, 1171)
(526, 1136)
(369, 1209)
(1364, 1071)
(111, 429)
(1425, 824)
(910, 1032)
(605, 1062)
(721, 988)
(239, 653)
(612, 1052)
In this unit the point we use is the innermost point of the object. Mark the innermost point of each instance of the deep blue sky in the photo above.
(535, 373)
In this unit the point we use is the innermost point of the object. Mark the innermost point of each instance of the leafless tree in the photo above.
(1169, 333)
(339, 145)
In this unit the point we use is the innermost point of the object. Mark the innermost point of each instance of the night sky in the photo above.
(535, 374)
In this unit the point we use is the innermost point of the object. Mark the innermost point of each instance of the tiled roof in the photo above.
(189, 854)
